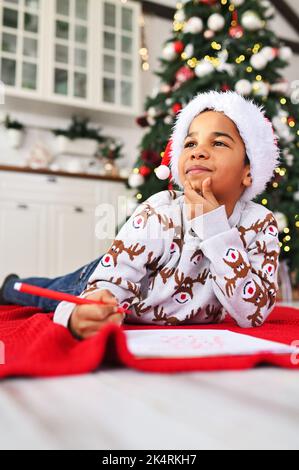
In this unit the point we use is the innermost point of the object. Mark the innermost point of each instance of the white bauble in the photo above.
(282, 221)
(251, 21)
(285, 53)
(151, 120)
(243, 87)
(289, 158)
(296, 196)
(152, 112)
(260, 88)
(168, 120)
(189, 51)
(168, 101)
(258, 61)
(216, 22)
(203, 69)
(169, 52)
(237, 3)
(268, 52)
(194, 25)
(135, 180)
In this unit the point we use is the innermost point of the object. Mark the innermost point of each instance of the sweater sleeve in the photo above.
(139, 244)
(244, 278)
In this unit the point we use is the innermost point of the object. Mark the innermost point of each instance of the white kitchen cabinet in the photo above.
(23, 238)
(75, 52)
(48, 223)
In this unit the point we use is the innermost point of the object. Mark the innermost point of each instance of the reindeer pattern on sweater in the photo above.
(170, 270)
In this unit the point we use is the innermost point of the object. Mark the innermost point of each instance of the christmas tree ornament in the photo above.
(203, 68)
(178, 47)
(223, 65)
(285, 53)
(259, 140)
(260, 88)
(216, 22)
(184, 74)
(235, 31)
(135, 180)
(180, 16)
(258, 61)
(208, 34)
(169, 53)
(144, 171)
(237, 3)
(282, 87)
(151, 121)
(194, 25)
(251, 21)
(243, 87)
(152, 112)
(189, 51)
(269, 53)
(168, 120)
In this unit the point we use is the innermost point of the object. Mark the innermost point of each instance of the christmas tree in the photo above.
(227, 45)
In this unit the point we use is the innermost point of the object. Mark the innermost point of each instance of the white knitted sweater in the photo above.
(170, 270)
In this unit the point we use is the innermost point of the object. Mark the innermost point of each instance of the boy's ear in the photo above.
(247, 179)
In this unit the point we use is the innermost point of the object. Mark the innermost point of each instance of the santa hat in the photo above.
(255, 130)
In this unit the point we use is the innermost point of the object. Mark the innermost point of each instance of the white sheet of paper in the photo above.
(198, 343)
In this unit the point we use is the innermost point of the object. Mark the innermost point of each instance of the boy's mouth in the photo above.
(196, 169)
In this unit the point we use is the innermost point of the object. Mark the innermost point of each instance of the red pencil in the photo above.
(52, 294)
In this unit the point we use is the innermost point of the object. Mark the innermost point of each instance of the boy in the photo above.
(190, 257)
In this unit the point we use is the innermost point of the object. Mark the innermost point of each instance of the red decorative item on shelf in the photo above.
(178, 47)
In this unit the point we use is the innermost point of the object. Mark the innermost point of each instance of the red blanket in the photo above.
(34, 346)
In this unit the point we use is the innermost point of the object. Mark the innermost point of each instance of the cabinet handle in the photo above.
(52, 179)
(79, 209)
(22, 206)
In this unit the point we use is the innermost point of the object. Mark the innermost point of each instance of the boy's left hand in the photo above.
(193, 198)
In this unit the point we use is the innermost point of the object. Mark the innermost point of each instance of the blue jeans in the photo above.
(72, 283)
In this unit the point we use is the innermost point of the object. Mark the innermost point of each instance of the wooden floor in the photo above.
(125, 409)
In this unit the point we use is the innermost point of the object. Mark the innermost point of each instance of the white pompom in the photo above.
(243, 87)
(162, 172)
(203, 69)
(194, 25)
(216, 22)
(258, 61)
(285, 53)
(135, 180)
(251, 21)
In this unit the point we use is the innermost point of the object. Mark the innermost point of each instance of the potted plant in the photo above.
(78, 139)
(109, 151)
(15, 132)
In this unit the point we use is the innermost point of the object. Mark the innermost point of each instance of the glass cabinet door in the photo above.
(119, 52)
(20, 35)
(71, 43)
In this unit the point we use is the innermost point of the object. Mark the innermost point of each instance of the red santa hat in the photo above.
(255, 130)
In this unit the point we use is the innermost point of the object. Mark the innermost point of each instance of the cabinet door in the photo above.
(23, 242)
(118, 66)
(20, 44)
(72, 231)
(69, 50)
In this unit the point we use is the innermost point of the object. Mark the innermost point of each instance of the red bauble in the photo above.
(142, 121)
(236, 31)
(178, 47)
(144, 170)
(209, 2)
(176, 108)
(225, 87)
(184, 74)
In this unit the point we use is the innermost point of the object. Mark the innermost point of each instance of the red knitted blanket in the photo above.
(32, 345)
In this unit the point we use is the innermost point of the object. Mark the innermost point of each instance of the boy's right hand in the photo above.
(87, 320)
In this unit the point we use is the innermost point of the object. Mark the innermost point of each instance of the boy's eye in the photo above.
(220, 144)
(188, 144)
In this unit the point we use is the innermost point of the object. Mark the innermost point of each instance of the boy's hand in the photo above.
(87, 320)
(194, 199)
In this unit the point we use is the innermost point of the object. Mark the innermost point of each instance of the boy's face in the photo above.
(222, 155)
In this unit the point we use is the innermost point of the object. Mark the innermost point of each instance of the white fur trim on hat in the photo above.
(254, 128)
